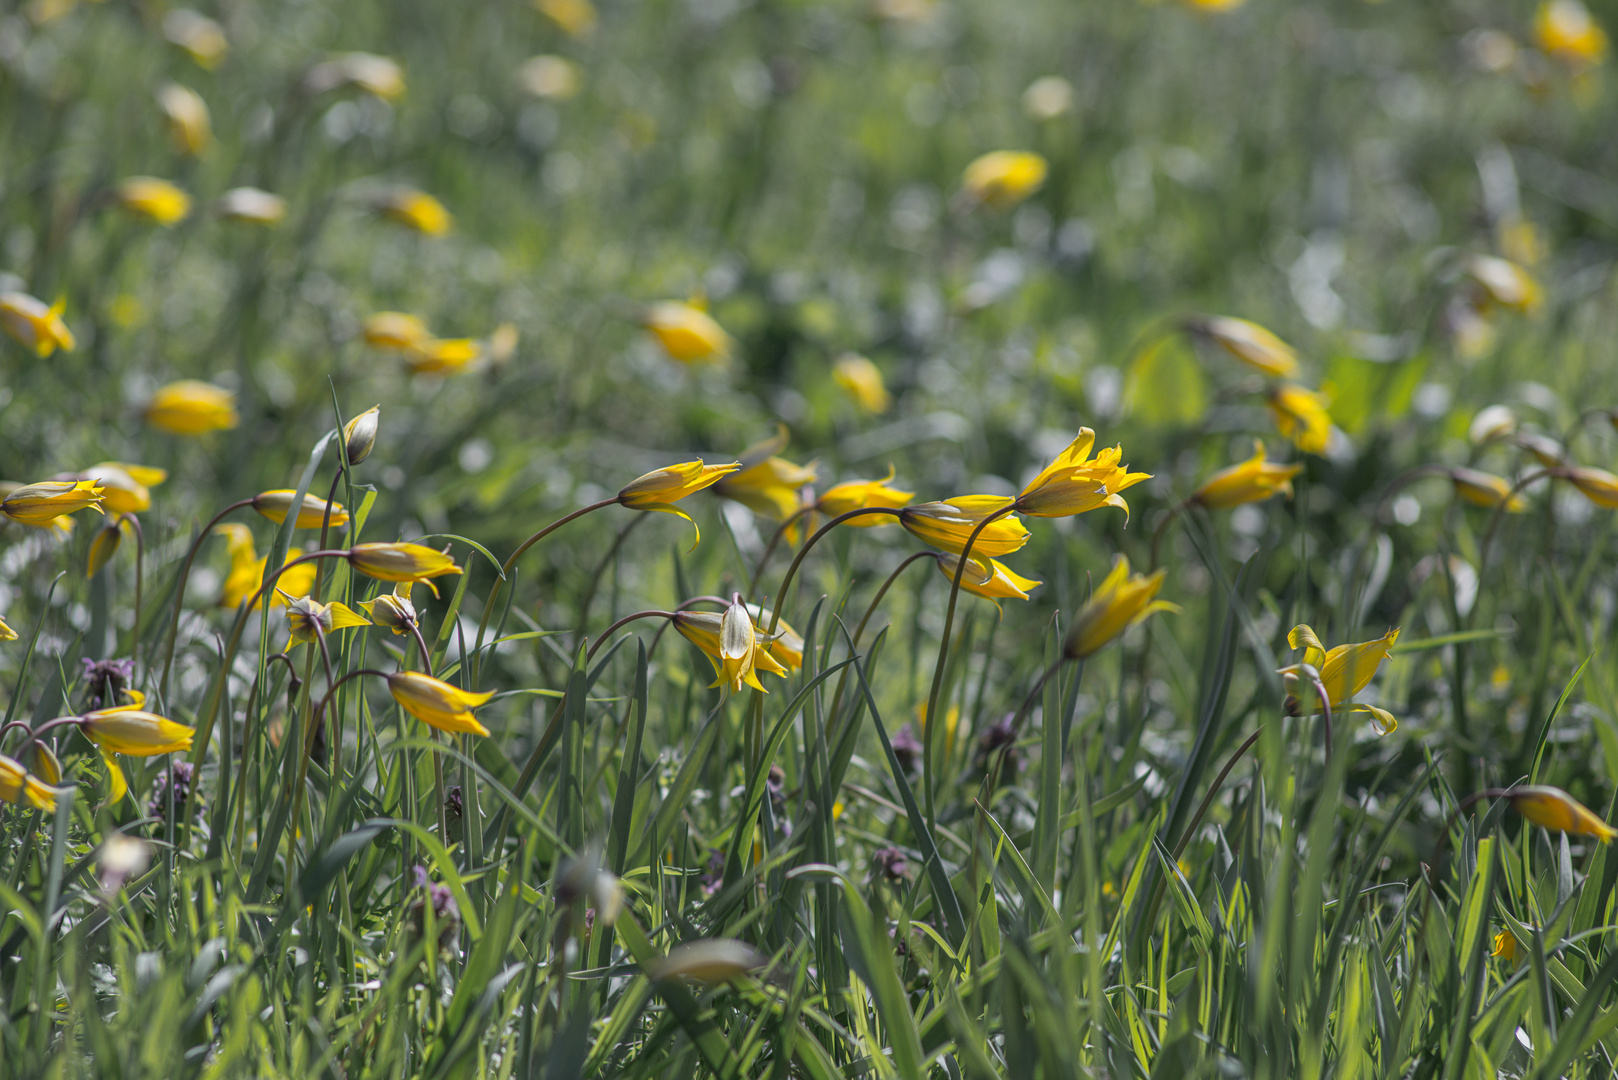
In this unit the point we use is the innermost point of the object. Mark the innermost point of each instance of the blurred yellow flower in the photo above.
(1253, 480)
(152, 198)
(947, 525)
(576, 17)
(766, 483)
(374, 74)
(863, 382)
(6, 632)
(1553, 808)
(395, 330)
(417, 209)
(1344, 671)
(275, 505)
(1003, 178)
(859, 494)
(996, 581)
(127, 487)
(1300, 415)
(1504, 283)
(192, 407)
(1248, 342)
(34, 324)
(309, 619)
(1214, 5)
(251, 205)
(1119, 602)
(246, 572)
(1075, 483)
(1567, 31)
(187, 116)
(442, 356)
(687, 332)
(1486, 490)
(198, 35)
(438, 704)
(502, 343)
(1546, 450)
(1047, 98)
(1598, 485)
(1505, 946)
(17, 783)
(555, 78)
(393, 610)
(402, 562)
(41, 504)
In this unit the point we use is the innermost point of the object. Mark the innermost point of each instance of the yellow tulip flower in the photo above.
(187, 116)
(1248, 342)
(192, 407)
(417, 209)
(198, 35)
(310, 619)
(6, 632)
(994, 582)
(393, 610)
(1344, 671)
(687, 332)
(34, 324)
(158, 200)
(402, 562)
(396, 330)
(659, 489)
(859, 494)
(442, 356)
(1566, 30)
(251, 205)
(1075, 483)
(132, 730)
(768, 487)
(247, 570)
(1003, 178)
(1486, 490)
(437, 703)
(1301, 416)
(786, 646)
(104, 545)
(41, 504)
(946, 525)
(123, 492)
(1598, 485)
(735, 647)
(275, 505)
(1121, 600)
(863, 382)
(17, 783)
(1254, 480)
(1553, 808)
(359, 435)
(1505, 946)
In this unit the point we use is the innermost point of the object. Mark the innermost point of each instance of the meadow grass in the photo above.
(497, 822)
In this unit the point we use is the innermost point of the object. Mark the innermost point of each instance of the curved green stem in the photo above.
(769, 549)
(786, 582)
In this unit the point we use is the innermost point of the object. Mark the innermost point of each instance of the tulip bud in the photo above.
(359, 435)
(104, 546)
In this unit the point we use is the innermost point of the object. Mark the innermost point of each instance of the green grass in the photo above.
(1156, 873)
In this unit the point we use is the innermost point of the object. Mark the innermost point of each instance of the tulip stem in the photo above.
(325, 524)
(421, 643)
(179, 591)
(140, 571)
(1500, 510)
(786, 582)
(1163, 527)
(601, 569)
(505, 572)
(60, 721)
(943, 652)
(775, 540)
(609, 631)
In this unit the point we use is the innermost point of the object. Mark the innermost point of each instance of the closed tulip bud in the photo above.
(1003, 178)
(687, 332)
(1491, 422)
(359, 435)
(251, 205)
(103, 546)
(198, 35)
(1598, 485)
(416, 209)
(1248, 342)
(374, 74)
(1553, 808)
(862, 380)
(41, 504)
(715, 960)
(1486, 490)
(187, 116)
(276, 505)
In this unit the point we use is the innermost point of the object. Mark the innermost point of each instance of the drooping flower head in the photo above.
(187, 116)
(251, 205)
(437, 703)
(1553, 808)
(41, 504)
(132, 730)
(660, 489)
(310, 620)
(1598, 485)
(1253, 480)
(402, 562)
(1486, 490)
(1119, 602)
(995, 581)
(415, 209)
(1248, 342)
(154, 199)
(687, 332)
(860, 494)
(1076, 483)
(393, 610)
(34, 324)
(947, 525)
(395, 330)
(18, 784)
(1503, 283)
(767, 483)
(246, 572)
(277, 504)
(862, 381)
(734, 645)
(786, 645)
(1343, 672)
(1566, 30)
